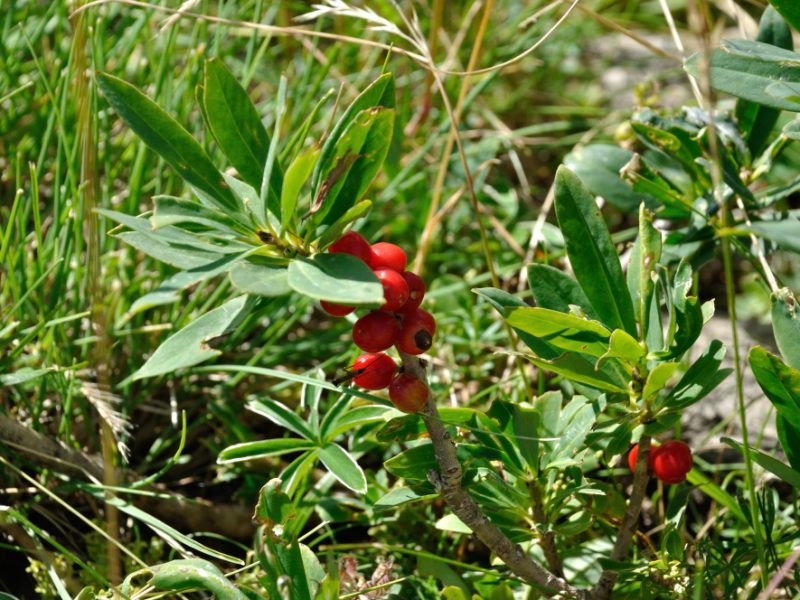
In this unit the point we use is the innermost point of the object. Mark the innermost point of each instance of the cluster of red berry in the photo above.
(670, 462)
(398, 322)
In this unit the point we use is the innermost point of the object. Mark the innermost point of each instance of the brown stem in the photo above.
(548, 536)
(603, 589)
(448, 483)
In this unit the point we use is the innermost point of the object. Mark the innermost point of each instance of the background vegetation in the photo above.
(81, 436)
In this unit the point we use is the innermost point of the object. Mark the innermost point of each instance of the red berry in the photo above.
(672, 461)
(352, 243)
(633, 455)
(384, 255)
(336, 310)
(408, 393)
(416, 334)
(416, 291)
(376, 331)
(395, 289)
(423, 316)
(374, 371)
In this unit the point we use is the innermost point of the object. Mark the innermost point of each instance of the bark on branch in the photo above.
(448, 483)
(602, 591)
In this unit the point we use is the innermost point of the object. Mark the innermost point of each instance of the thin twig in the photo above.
(547, 535)
(447, 482)
(605, 585)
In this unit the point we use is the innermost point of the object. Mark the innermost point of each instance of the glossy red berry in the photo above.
(354, 244)
(633, 456)
(336, 310)
(384, 255)
(416, 291)
(376, 331)
(374, 371)
(416, 334)
(672, 461)
(408, 393)
(395, 289)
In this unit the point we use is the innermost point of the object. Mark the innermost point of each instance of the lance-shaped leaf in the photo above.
(167, 137)
(786, 325)
(755, 121)
(562, 330)
(353, 164)
(556, 290)
(779, 381)
(747, 70)
(189, 346)
(262, 448)
(344, 467)
(699, 379)
(379, 93)
(339, 278)
(789, 10)
(771, 464)
(591, 253)
(189, 574)
(236, 126)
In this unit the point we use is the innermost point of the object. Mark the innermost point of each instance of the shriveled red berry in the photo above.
(633, 456)
(374, 371)
(408, 393)
(416, 334)
(376, 331)
(354, 244)
(672, 461)
(416, 291)
(336, 310)
(384, 255)
(395, 289)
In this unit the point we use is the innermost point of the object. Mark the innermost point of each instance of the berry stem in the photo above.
(448, 483)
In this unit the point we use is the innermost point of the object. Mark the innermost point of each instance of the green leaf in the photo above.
(564, 331)
(526, 423)
(623, 346)
(168, 290)
(164, 135)
(260, 449)
(274, 507)
(779, 381)
(23, 375)
(598, 167)
(789, 10)
(189, 346)
(296, 176)
(580, 370)
(699, 379)
(237, 127)
(354, 163)
(640, 277)
(290, 559)
(259, 279)
(337, 229)
(413, 463)
(786, 326)
(278, 413)
(591, 253)
(379, 93)
(789, 437)
(339, 278)
(785, 232)
(344, 467)
(713, 491)
(771, 464)
(757, 122)
(174, 211)
(657, 379)
(747, 69)
(556, 290)
(503, 302)
(399, 496)
(187, 574)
